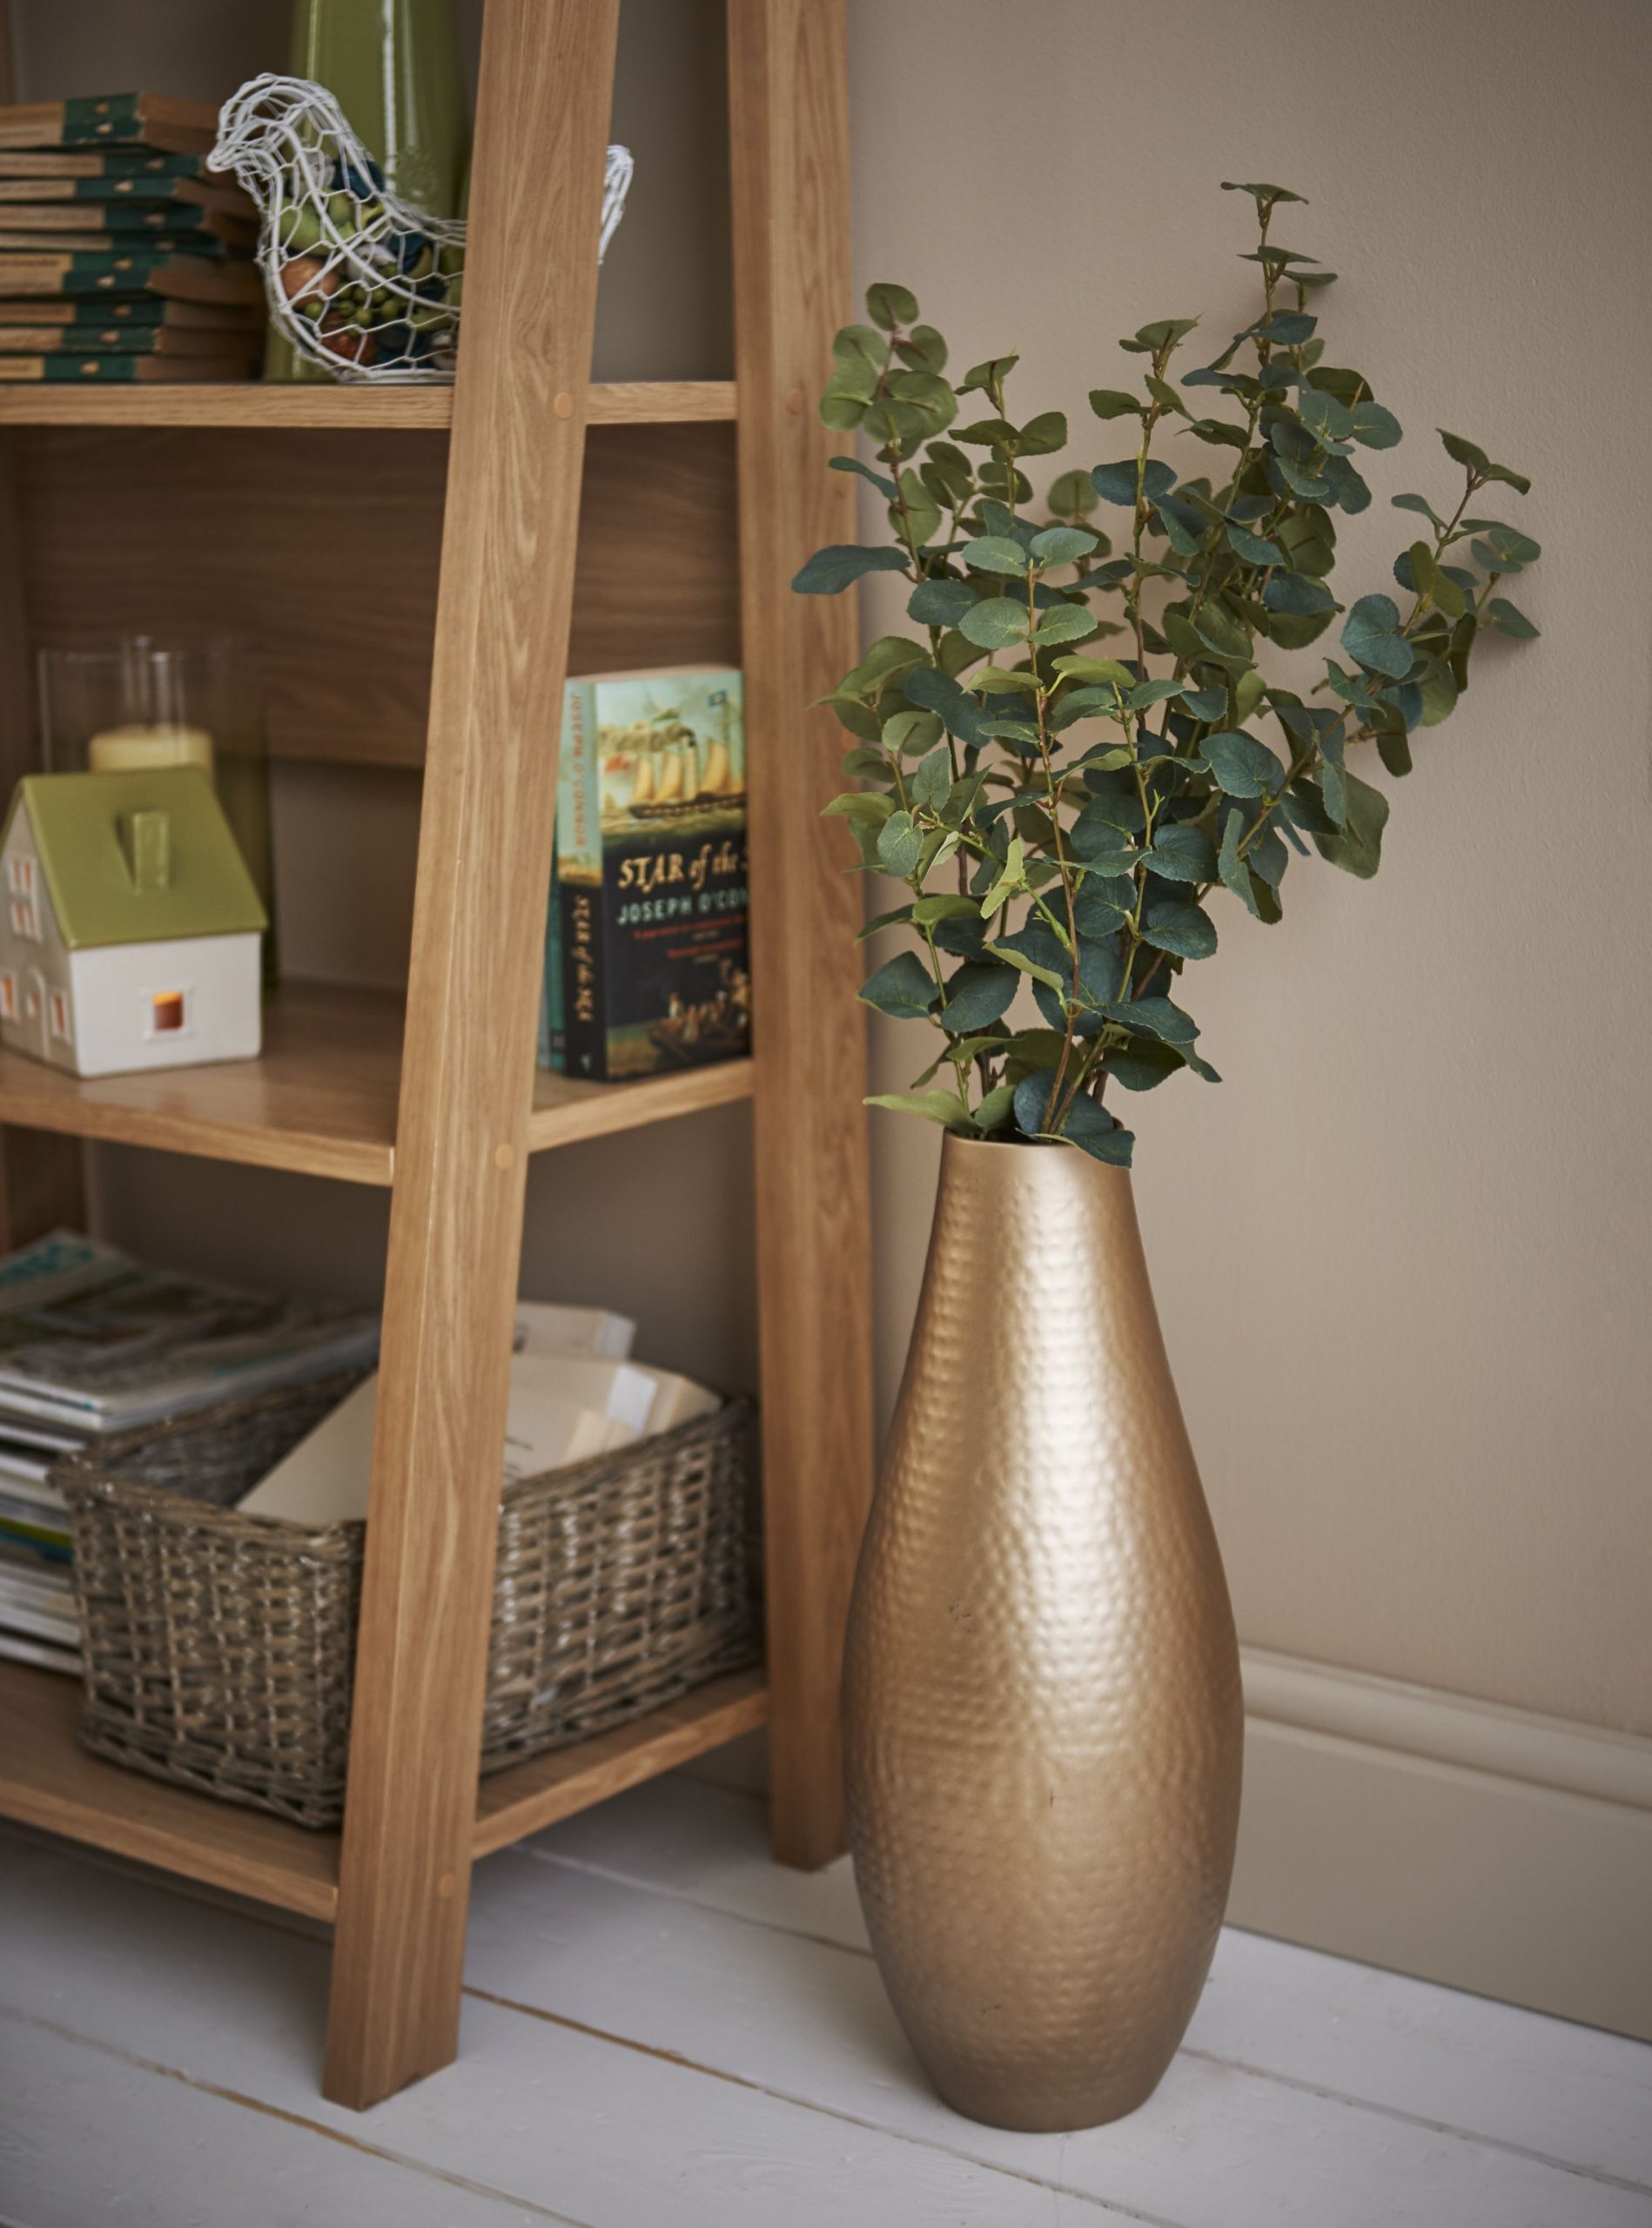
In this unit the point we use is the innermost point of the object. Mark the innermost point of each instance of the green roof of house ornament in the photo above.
(137, 858)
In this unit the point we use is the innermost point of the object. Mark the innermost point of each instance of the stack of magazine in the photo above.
(93, 1342)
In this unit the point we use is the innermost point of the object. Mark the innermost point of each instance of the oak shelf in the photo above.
(420, 603)
(322, 1099)
(251, 402)
(49, 1780)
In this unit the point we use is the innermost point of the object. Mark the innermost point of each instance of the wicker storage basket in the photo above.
(219, 1649)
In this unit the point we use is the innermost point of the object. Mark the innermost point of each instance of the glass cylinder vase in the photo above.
(136, 703)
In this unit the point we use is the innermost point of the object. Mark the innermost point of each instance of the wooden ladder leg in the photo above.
(478, 941)
(789, 143)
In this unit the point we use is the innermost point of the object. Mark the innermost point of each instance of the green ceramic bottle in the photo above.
(394, 68)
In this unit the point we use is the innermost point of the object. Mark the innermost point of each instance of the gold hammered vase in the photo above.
(1043, 1715)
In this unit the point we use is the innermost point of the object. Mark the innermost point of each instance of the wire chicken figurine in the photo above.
(361, 282)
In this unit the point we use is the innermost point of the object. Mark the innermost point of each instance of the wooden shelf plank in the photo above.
(249, 402)
(528, 1796)
(47, 1780)
(322, 1099)
(566, 1111)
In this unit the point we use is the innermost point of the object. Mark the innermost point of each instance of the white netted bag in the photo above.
(361, 282)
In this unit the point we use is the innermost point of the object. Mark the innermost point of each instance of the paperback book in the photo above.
(136, 121)
(151, 269)
(227, 347)
(651, 873)
(105, 314)
(111, 367)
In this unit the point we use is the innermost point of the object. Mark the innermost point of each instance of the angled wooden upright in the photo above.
(788, 134)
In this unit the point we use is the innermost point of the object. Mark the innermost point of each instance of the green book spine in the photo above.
(552, 1026)
(579, 845)
(94, 163)
(147, 310)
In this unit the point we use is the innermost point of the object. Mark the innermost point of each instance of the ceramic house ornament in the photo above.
(128, 925)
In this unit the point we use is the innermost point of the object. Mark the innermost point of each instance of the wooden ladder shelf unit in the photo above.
(442, 1102)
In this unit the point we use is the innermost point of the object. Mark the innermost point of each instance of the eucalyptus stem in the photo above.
(976, 764)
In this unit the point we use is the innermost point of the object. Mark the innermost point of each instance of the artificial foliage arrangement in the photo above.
(1063, 816)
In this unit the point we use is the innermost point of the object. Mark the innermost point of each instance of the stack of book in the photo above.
(646, 963)
(93, 1342)
(122, 257)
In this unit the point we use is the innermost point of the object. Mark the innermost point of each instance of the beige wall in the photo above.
(1404, 1252)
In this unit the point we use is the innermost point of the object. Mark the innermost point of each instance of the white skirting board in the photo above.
(1489, 1848)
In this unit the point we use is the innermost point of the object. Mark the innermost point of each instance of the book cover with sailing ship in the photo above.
(651, 873)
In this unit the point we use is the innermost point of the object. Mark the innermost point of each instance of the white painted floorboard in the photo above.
(664, 2030)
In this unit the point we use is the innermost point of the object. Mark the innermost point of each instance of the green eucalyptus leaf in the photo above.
(1370, 636)
(978, 994)
(936, 906)
(880, 480)
(1418, 503)
(1094, 1131)
(1219, 630)
(1264, 196)
(902, 988)
(1156, 1018)
(1507, 620)
(931, 780)
(1061, 545)
(998, 623)
(1032, 1100)
(1243, 767)
(890, 306)
(1205, 703)
(1297, 596)
(1375, 427)
(1111, 402)
(940, 603)
(995, 552)
(830, 571)
(924, 350)
(900, 845)
(1071, 494)
(1016, 958)
(984, 377)
(908, 732)
(873, 806)
(1067, 622)
(1513, 547)
(1043, 435)
(917, 515)
(1234, 871)
(898, 918)
(1164, 334)
(1181, 929)
(1185, 527)
(1255, 548)
(943, 1106)
(1182, 854)
(1357, 848)
(1118, 483)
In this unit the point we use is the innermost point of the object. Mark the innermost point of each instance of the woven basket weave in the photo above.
(219, 1649)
